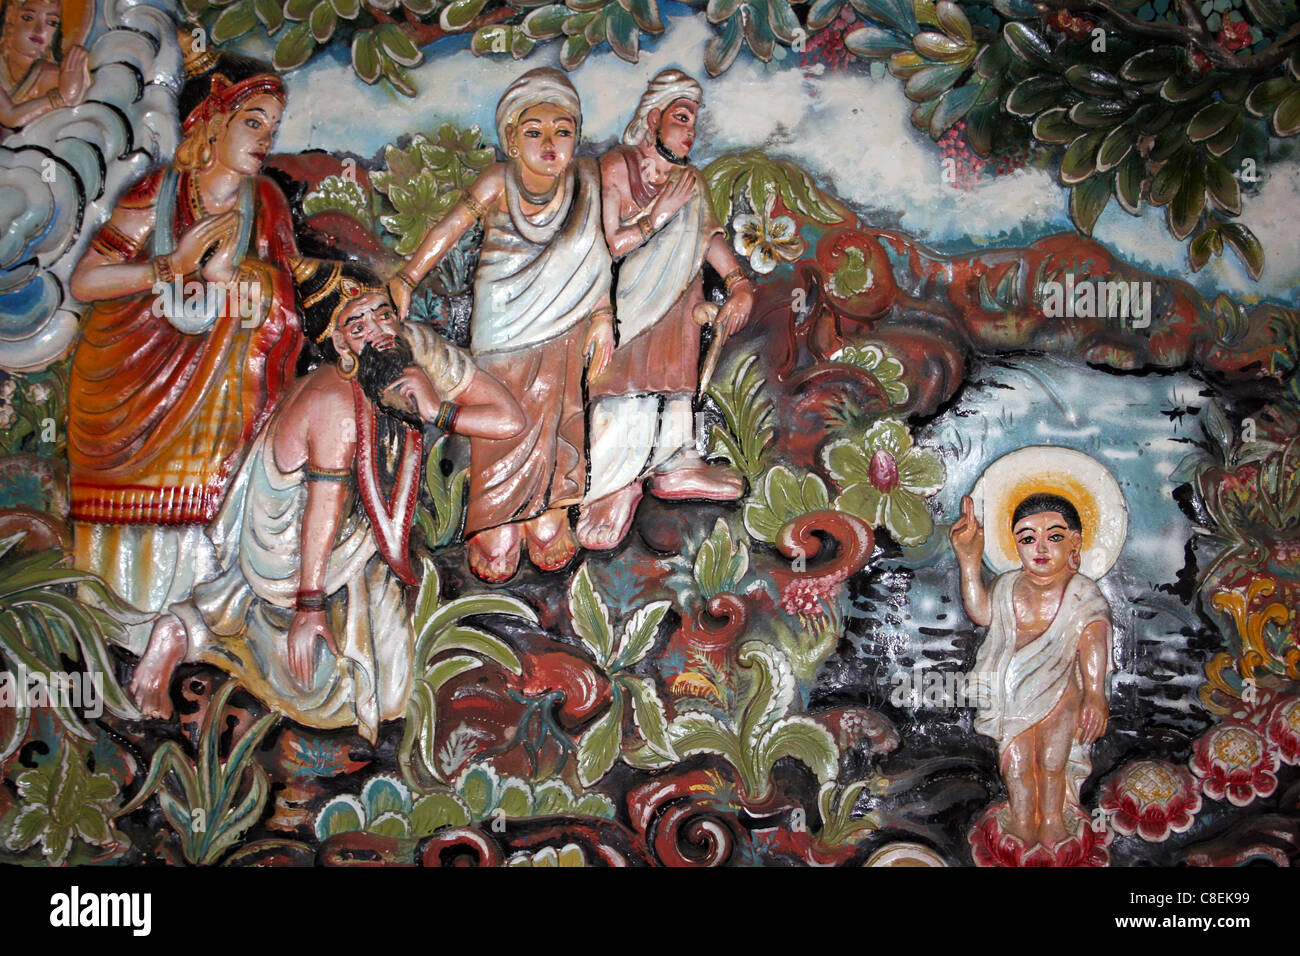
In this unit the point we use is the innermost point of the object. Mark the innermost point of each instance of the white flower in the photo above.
(7, 416)
(7, 389)
(38, 392)
(763, 238)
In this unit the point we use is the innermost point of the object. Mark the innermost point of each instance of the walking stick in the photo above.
(706, 313)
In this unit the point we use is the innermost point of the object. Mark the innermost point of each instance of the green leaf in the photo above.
(953, 21)
(1286, 118)
(873, 43)
(590, 616)
(434, 811)
(648, 714)
(928, 83)
(574, 51)
(723, 48)
(646, 14)
(939, 46)
(1153, 65)
(1188, 204)
(1128, 183)
(398, 45)
(1198, 254)
(271, 13)
(822, 12)
(1210, 120)
(1223, 188)
(1087, 200)
(782, 21)
(1093, 81)
(294, 48)
(953, 105)
(1031, 96)
(546, 23)
(460, 14)
(898, 14)
(639, 634)
(1117, 144)
(1166, 183)
(1028, 46)
(299, 9)
(347, 9)
(599, 746)
(1080, 159)
(623, 34)
(1246, 246)
(323, 20)
(1091, 114)
(1054, 126)
(1264, 97)
(236, 20)
(719, 11)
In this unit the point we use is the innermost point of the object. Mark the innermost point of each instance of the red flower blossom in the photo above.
(1282, 730)
(1153, 799)
(1234, 761)
(1234, 35)
(992, 845)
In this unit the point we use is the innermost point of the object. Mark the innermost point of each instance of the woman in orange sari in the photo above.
(191, 337)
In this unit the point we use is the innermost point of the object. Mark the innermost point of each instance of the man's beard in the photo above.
(668, 154)
(380, 368)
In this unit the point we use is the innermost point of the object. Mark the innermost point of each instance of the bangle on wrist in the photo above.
(56, 99)
(162, 269)
(733, 279)
(474, 206)
(309, 600)
(406, 280)
(647, 230)
(448, 412)
(604, 311)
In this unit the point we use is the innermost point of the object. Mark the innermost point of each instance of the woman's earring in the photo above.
(514, 151)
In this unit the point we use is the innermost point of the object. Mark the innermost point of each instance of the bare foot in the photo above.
(709, 482)
(550, 543)
(151, 683)
(603, 523)
(494, 554)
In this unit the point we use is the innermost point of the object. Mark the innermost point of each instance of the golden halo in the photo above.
(1045, 469)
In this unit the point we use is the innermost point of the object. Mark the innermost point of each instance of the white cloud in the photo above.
(850, 131)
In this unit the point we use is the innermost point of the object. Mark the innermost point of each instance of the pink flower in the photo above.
(1234, 761)
(1153, 799)
(883, 471)
(992, 845)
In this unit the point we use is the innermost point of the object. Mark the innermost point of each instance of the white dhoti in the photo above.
(239, 620)
(1019, 688)
(633, 435)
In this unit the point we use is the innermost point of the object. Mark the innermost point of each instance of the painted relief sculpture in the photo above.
(38, 73)
(660, 225)
(541, 306)
(889, 496)
(1044, 664)
(192, 337)
(307, 609)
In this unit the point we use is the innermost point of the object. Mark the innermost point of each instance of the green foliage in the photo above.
(586, 24)
(839, 825)
(441, 629)
(33, 412)
(336, 194)
(426, 179)
(487, 795)
(751, 176)
(617, 655)
(386, 807)
(747, 411)
(448, 494)
(41, 623)
(761, 733)
(1166, 124)
(61, 801)
(209, 804)
(720, 564)
(778, 498)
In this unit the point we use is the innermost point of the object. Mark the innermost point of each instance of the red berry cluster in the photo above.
(967, 167)
(827, 45)
(1197, 61)
(1011, 159)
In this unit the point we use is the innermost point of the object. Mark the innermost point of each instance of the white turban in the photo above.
(664, 90)
(542, 85)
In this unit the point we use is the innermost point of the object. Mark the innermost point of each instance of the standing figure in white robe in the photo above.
(1041, 671)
